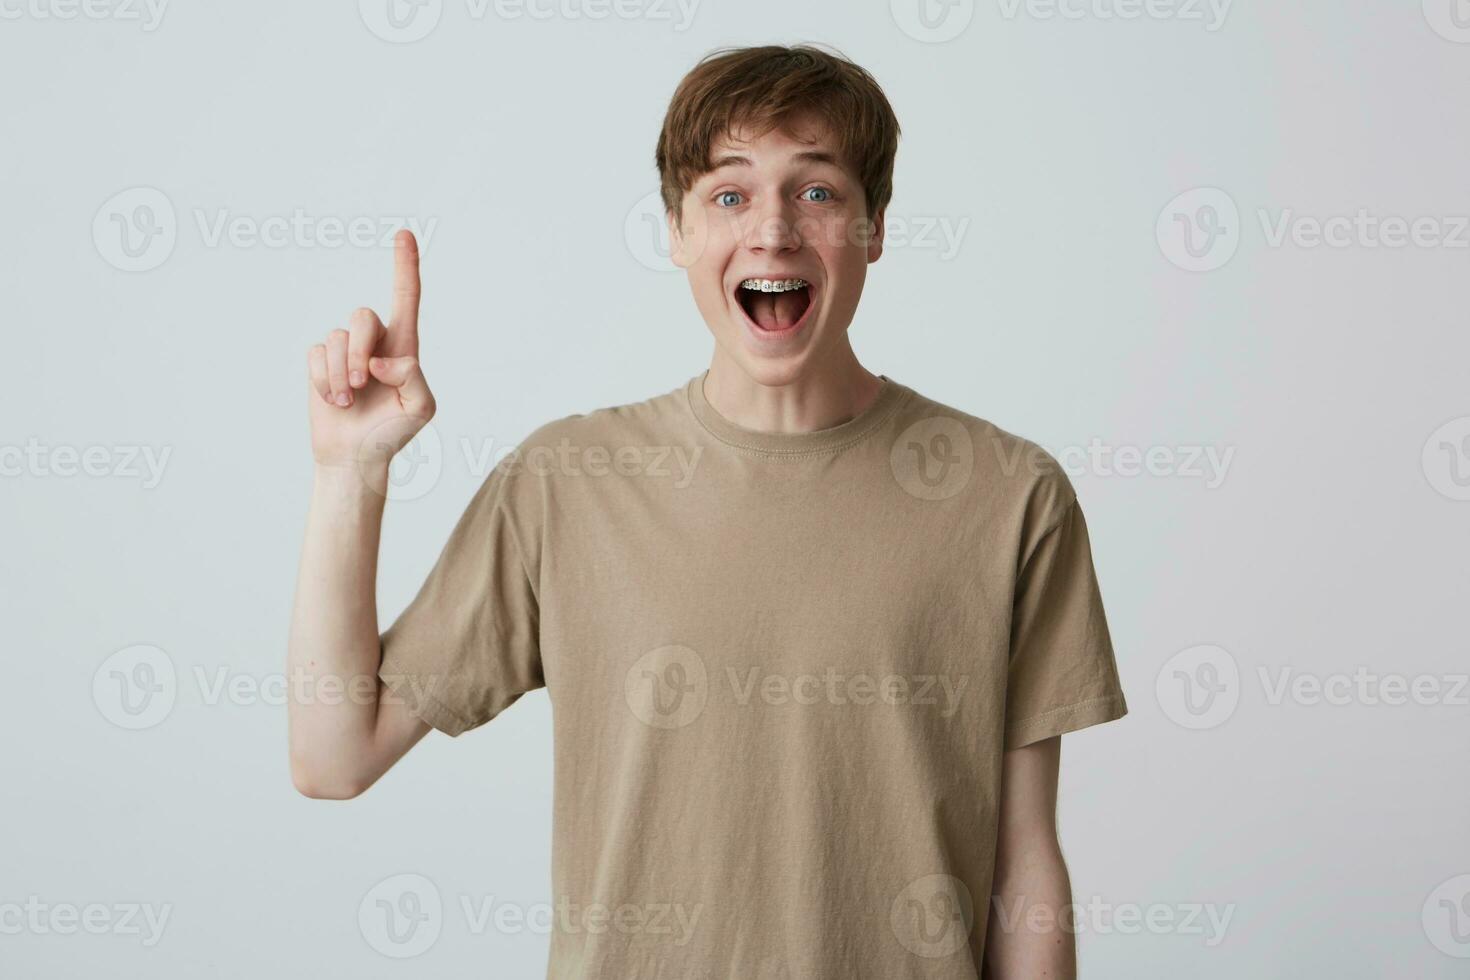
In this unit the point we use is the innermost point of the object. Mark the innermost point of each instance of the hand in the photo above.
(368, 397)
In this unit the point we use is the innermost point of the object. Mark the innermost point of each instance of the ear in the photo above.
(875, 240)
(678, 247)
(687, 238)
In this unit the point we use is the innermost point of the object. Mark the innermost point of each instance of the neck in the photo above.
(821, 397)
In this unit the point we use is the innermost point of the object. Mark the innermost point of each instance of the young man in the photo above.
(810, 638)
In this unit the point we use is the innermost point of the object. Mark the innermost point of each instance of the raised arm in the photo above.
(367, 398)
(1031, 932)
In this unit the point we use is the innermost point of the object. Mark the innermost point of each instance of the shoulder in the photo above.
(1008, 476)
(630, 424)
(602, 439)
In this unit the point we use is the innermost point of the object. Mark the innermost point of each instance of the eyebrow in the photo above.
(806, 156)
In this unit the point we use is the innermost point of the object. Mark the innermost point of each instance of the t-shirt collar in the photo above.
(831, 439)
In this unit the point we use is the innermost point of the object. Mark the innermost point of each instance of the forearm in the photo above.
(1031, 930)
(333, 652)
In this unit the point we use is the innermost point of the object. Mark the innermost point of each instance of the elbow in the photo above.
(315, 784)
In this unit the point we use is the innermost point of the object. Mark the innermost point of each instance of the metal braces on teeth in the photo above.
(773, 285)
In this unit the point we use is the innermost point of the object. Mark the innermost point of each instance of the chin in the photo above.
(769, 368)
(773, 372)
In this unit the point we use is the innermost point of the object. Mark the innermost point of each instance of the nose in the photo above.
(773, 228)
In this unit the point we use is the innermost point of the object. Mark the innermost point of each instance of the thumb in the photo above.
(404, 374)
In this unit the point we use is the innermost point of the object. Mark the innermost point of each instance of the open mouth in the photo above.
(775, 305)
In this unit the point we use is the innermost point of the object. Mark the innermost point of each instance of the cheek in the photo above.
(708, 282)
(691, 250)
(847, 270)
(844, 232)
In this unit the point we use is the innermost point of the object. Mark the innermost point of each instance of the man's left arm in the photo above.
(1029, 936)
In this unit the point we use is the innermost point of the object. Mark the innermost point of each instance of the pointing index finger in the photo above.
(405, 289)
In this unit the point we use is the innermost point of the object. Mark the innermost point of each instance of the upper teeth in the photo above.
(773, 285)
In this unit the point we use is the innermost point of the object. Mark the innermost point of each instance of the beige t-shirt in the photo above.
(782, 668)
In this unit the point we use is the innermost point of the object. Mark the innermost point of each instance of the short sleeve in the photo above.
(467, 646)
(1062, 673)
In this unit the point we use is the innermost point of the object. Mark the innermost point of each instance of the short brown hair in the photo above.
(762, 88)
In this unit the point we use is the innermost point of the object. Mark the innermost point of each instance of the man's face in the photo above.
(777, 208)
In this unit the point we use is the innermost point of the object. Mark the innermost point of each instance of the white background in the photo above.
(1048, 147)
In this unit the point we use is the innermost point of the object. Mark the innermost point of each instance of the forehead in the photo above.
(802, 139)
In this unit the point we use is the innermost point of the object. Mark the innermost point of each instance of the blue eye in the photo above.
(820, 190)
(724, 194)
